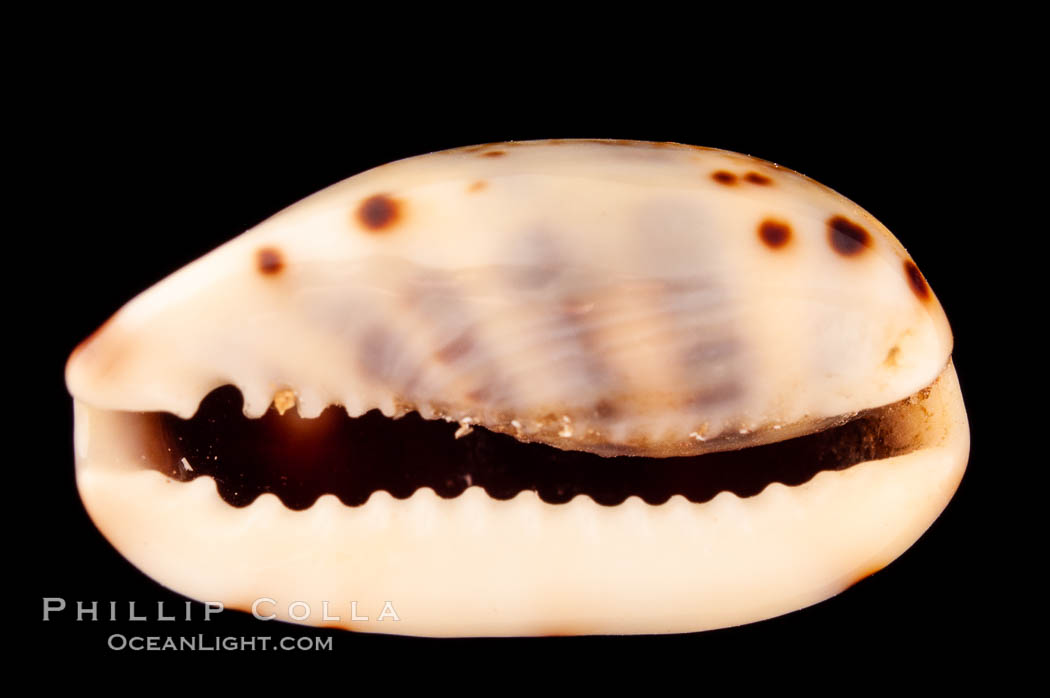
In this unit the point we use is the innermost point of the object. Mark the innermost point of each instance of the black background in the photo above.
(139, 174)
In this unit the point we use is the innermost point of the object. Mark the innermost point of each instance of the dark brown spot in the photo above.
(477, 186)
(456, 349)
(378, 212)
(493, 153)
(605, 409)
(269, 261)
(846, 237)
(916, 280)
(774, 234)
(723, 177)
(756, 178)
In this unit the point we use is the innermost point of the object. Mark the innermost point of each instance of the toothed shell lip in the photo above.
(420, 503)
(522, 566)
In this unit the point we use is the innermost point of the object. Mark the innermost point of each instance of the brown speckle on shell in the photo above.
(775, 234)
(269, 261)
(717, 394)
(456, 349)
(479, 395)
(378, 212)
(724, 177)
(756, 178)
(916, 280)
(493, 153)
(846, 237)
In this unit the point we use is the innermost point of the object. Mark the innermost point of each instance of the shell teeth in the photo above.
(427, 412)
(464, 427)
(355, 409)
(310, 404)
(256, 401)
(283, 401)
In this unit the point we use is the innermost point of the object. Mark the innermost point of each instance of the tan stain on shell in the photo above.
(115, 355)
(599, 141)
(846, 237)
(480, 396)
(865, 575)
(718, 394)
(91, 337)
(456, 349)
(379, 212)
(477, 186)
(494, 153)
(559, 631)
(283, 401)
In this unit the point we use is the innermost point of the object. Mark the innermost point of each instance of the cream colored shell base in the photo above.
(477, 566)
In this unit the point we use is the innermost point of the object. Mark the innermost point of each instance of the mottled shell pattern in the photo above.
(616, 297)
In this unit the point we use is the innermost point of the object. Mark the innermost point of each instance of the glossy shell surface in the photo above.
(621, 298)
(617, 297)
